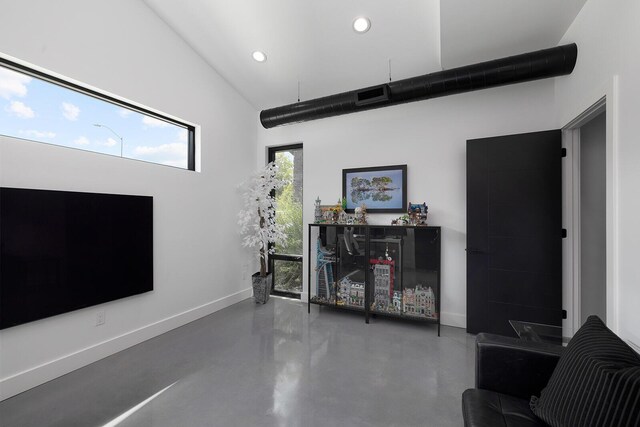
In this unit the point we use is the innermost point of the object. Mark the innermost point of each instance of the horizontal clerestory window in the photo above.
(40, 107)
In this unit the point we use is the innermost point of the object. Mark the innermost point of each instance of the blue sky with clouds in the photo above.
(37, 110)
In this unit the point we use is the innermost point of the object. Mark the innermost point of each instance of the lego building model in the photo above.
(361, 214)
(351, 293)
(325, 291)
(317, 213)
(417, 213)
(420, 301)
(397, 301)
(383, 274)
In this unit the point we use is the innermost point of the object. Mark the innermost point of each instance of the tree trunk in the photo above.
(263, 258)
(263, 263)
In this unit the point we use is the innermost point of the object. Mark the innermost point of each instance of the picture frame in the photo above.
(383, 189)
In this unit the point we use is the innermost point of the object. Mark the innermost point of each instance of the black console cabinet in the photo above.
(378, 270)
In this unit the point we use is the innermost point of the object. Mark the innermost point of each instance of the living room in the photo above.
(141, 51)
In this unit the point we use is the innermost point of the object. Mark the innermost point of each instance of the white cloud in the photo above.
(19, 109)
(153, 122)
(70, 111)
(37, 134)
(81, 141)
(13, 83)
(110, 142)
(124, 113)
(175, 148)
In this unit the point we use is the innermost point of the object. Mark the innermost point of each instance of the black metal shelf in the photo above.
(403, 316)
(339, 307)
(411, 252)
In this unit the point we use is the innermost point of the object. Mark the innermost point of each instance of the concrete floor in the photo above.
(271, 365)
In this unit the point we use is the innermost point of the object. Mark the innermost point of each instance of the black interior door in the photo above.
(514, 231)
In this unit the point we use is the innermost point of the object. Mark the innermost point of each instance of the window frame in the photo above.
(32, 71)
(271, 155)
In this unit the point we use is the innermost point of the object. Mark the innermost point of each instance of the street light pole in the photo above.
(113, 132)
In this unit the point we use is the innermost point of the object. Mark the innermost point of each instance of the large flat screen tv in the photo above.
(62, 251)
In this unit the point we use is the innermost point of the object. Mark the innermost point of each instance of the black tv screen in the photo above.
(62, 251)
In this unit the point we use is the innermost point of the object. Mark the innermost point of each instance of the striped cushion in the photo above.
(596, 382)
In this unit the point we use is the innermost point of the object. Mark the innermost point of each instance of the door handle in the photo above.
(475, 251)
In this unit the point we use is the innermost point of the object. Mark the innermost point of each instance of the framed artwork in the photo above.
(383, 188)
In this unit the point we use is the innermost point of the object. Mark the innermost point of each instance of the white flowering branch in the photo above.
(257, 220)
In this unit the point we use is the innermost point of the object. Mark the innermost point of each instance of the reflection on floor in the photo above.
(265, 365)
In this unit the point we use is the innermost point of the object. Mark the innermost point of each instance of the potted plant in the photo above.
(258, 225)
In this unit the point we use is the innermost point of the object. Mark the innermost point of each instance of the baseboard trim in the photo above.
(41, 374)
(453, 319)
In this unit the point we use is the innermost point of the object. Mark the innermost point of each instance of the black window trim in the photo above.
(283, 257)
(191, 129)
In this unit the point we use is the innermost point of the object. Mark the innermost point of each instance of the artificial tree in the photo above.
(257, 221)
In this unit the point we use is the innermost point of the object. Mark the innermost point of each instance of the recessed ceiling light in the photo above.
(259, 56)
(361, 24)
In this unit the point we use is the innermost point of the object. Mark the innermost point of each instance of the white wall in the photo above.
(122, 47)
(593, 218)
(608, 38)
(430, 137)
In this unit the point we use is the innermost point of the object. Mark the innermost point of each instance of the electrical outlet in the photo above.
(100, 318)
(245, 271)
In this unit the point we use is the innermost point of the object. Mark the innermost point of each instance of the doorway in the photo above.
(286, 263)
(586, 138)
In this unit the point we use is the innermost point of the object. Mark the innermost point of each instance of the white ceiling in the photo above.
(475, 31)
(312, 41)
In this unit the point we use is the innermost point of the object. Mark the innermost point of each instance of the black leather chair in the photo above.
(508, 372)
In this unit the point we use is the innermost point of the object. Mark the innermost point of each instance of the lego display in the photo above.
(351, 293)
(397, 301)
(383, 275)
(339, 270)
(317, 213)
(390, 271)
(403, 220)
(335, 214)
(361, 214)
(419, 301)
(325, 283)
(417, 213)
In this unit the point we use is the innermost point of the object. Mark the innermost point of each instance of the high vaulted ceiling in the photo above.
(313, 42)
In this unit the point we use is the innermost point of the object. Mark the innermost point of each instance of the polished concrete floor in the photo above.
(265, 365)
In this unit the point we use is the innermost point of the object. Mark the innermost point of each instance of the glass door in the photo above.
(286, 262)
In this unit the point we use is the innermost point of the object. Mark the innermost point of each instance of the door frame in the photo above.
(271, 156)
(606, 101)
